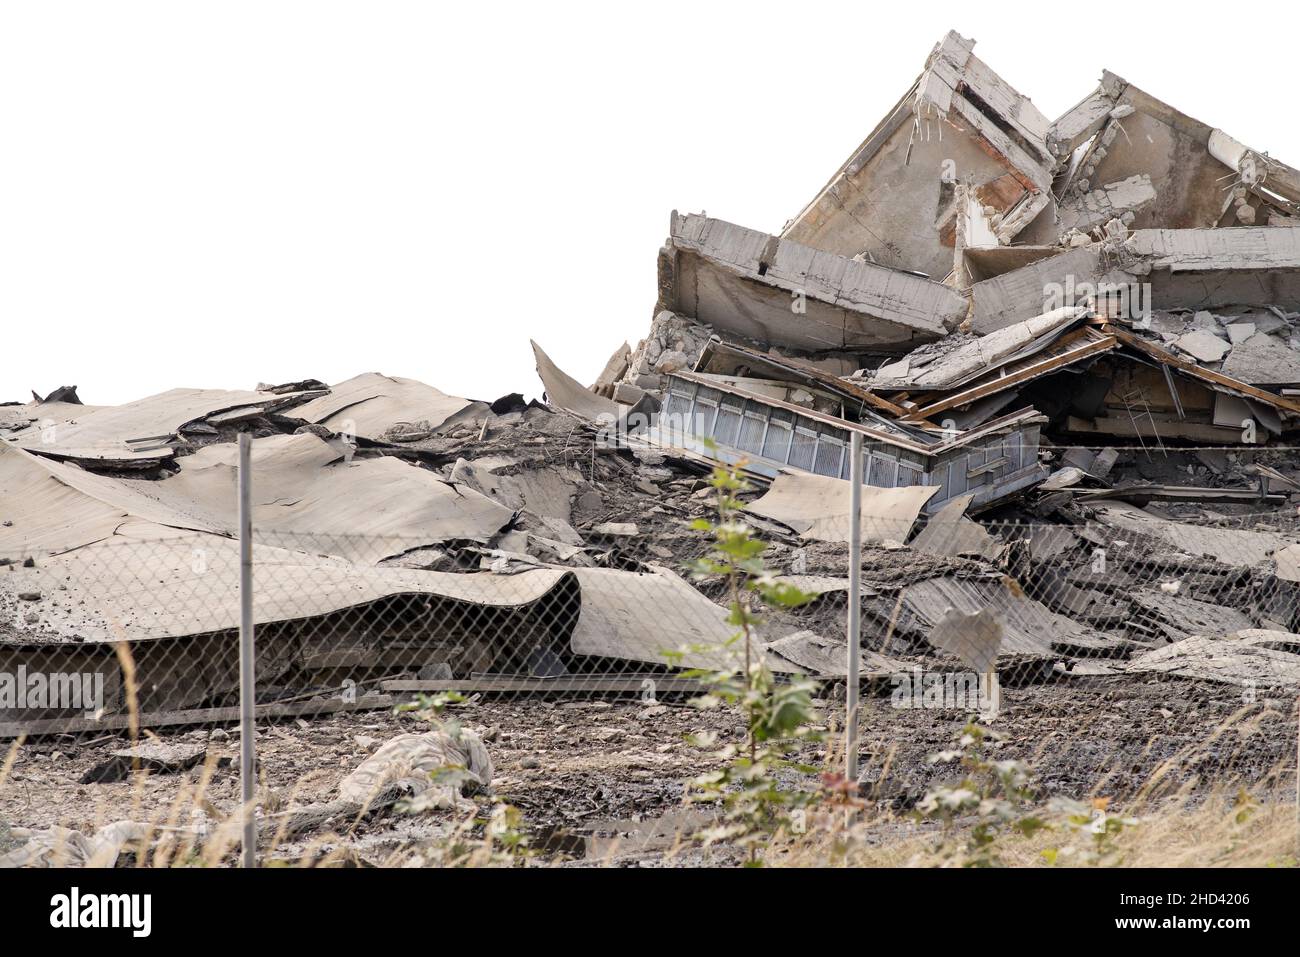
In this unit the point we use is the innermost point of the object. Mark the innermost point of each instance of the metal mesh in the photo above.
(1111, 652)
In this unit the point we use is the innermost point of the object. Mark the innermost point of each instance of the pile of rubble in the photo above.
(1070, 349)
(1092, 324)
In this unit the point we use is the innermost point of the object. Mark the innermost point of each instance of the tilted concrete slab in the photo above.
(894, 200)
(1214, 268)
(776, 292)
(1123, 132)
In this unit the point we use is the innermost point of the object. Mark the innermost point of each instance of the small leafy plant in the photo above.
(778, 712)
(995, 794)
(997, 799)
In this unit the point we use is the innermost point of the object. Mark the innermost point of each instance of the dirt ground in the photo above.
(588, 774)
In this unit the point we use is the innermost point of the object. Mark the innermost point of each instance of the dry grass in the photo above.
(1198, 831)
(1179, 821)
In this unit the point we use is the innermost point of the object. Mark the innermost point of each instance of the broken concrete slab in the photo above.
(1121, 131)
(1263, 360)
(615, 369)
(777, 292)
(1098, 206)
(1202, 346)
(953, 366)
(1039, 287)
(1239, 332)
(960, 119)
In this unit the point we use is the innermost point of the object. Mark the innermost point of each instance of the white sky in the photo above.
(216, 194)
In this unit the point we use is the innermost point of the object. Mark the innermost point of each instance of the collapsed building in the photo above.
(975, 277)
(1056, 339)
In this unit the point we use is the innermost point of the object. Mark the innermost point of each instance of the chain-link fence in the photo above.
(415, 700)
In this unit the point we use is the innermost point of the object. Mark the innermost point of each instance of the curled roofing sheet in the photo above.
(1029, 627)
(816, 506)
(1250, 658)
(615, 622)
(565, 392)
(39, 513)
(149, 583)
(304, 496)
(370, 404)
(140, 430)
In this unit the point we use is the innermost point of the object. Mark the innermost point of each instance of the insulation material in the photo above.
(410, 762)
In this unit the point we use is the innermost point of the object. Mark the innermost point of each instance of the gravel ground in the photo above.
(585, 773)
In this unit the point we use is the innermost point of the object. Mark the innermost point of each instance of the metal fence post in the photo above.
(247, 687)
(855, 609)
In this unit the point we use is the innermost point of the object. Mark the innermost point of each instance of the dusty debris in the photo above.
(412, 763)
(154, 756)
(1070, 350)
(63, 847)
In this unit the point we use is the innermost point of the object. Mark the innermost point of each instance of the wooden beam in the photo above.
(1178, 493)
(1205, 375)
(1033, 371)
(499, 684)
(1189, 431)
(163, 719)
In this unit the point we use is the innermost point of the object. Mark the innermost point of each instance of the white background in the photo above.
(216, 194)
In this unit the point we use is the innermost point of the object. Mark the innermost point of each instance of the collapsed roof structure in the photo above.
(975, 276)
(1016, 316)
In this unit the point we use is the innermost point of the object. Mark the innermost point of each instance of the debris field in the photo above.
(1071, 350)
